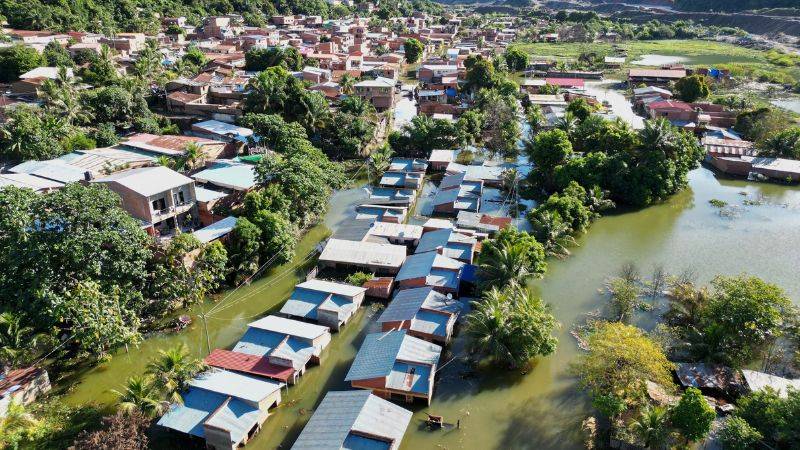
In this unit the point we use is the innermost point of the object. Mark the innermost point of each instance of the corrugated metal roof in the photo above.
(231, 175)
(235, 416)
(340, 413)
(252, 364)
(189, 417)
(757, 381)
(235, 384)
(430, 323)
(148, 181)
(364, 253)
(206, 195)
(409, 378)
(380, 351)
(420, 265)
(289, 327)
(216, 230)
(258, 342)
(347, 290)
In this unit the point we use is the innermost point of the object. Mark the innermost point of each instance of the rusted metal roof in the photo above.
(242, 362)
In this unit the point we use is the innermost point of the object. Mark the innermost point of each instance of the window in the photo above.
(159, 204)
(179, 198)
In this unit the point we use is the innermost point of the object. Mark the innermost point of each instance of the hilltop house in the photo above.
(161, 198)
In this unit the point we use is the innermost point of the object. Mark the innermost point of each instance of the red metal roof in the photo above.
(501, 222)
(21, 377)
(242, 362)
(657, 73)
(670, 104)
(566, 82)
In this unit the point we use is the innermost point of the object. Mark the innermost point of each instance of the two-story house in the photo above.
(158, 196)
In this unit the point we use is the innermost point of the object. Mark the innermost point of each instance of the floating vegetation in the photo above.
(752, 202)
(718, 203)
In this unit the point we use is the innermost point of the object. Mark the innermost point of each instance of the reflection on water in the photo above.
(658, 60)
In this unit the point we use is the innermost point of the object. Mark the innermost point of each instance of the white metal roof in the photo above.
(346, 290)
(363, 253)
(148, 180)
(290, 327)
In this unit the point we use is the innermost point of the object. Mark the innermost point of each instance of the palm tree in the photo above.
(141, 394)
(651, 427)
(191, 155)
(488, 326)
(504, 265)
(554, 234)
(568, 123)
(658, 134)
(316, 112)
(597, 200)
(173, 369)
(347, 84)
(165, 161)
(16, 339)
(379, 160)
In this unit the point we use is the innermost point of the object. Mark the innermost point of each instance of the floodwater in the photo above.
(228, 315)
(540, 407)
(405, 108)
(619, 105)
(791, 104)
(659, 60)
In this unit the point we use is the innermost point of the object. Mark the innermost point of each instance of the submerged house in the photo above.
(285, 342)
(395, 365)
(354, 420)
(327, 303)
(431, 269)
(449, 243)
(401, 179)
(369, 256)
(423, 313)
(223, 408)
(458, 192)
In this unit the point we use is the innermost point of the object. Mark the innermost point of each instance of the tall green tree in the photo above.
(16, 60)
(692, 88)
(693, 416)
(511, 325)
(620, 359)
(413, 48)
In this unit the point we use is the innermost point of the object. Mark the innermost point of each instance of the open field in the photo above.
(741, 61)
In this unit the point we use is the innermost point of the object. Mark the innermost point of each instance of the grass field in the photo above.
(741, 60)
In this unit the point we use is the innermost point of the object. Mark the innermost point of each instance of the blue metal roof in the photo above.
(230, 175)
(341, 414)
(258, 342)
(416, 266)
(376, 356)
(405, 304)
(235, 384)
(380, 351)
(201, 406)
(189, 417)
(356, 442)
(410, 378)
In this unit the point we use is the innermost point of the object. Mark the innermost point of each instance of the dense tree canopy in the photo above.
(692, 88)
(70, 254)
(511, 325)
(413, 48)
(16, 60)
(619, 361)
(258, 59)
